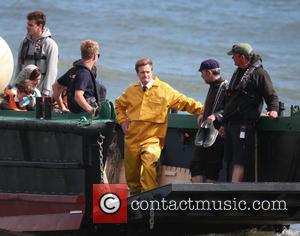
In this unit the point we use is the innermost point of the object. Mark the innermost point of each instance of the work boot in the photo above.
(199, 138)
(197, 179)
(211, 136)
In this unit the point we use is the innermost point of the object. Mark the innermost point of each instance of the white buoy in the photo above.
(6, 64)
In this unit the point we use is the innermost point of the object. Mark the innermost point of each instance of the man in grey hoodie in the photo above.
(40, 49)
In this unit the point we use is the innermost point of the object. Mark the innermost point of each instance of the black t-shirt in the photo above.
(211, 97)
(78, 78)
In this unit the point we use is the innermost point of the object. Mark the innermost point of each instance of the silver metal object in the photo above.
(101, 164)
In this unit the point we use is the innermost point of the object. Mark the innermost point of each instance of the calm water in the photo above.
(176, 34)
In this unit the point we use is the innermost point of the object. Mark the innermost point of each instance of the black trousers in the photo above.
(208, 161)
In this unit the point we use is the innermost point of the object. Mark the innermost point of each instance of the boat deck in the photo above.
(219, 206)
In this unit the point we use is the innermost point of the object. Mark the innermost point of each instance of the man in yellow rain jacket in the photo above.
(142, 111)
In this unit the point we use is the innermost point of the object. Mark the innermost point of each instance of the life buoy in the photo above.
(6, 64)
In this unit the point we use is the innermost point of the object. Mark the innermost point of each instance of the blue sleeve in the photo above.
(82, 80)
(64, 79)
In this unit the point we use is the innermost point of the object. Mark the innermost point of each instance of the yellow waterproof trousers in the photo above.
(140, 167)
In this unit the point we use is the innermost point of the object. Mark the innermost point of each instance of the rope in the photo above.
(113, 160)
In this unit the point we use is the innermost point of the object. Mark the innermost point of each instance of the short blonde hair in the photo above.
(88, 49)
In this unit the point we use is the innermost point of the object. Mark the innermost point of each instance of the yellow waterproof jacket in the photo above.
(147, 111)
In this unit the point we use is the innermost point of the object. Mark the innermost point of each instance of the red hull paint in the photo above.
(34, 212)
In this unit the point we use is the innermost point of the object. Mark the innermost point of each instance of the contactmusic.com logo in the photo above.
(110, 203)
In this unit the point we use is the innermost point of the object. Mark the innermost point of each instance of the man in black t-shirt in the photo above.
(80, 82)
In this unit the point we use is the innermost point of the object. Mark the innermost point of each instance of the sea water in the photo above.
(177, 35)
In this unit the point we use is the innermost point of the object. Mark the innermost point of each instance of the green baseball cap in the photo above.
(241, 48)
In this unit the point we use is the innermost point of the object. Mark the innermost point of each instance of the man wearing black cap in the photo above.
(208, 154)
(249, 86)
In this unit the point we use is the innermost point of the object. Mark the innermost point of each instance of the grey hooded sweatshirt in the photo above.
(47, 60)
